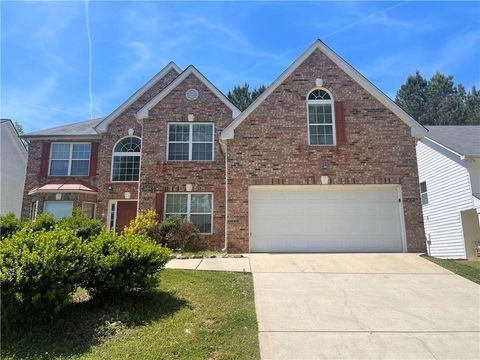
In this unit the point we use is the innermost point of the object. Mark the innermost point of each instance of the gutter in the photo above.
(223, 147)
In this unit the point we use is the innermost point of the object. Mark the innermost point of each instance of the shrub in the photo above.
(84, 227)
(38, 271)
(43, 221)
(9, 225)
(178, 233)
(146, 223)
(120, 263)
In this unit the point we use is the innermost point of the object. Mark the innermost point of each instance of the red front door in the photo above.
(126, 212)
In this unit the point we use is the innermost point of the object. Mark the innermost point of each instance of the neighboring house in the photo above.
(322, 161)
(13, 165)
(449, 174)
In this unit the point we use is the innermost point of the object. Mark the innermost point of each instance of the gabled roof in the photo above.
(102, 126)
(82, 128)
(463, 140)
(417, 130)
(143, 112)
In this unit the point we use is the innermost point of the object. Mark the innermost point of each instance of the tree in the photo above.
(242, 97)
(412, 96)
(439, 101)
(472, 107)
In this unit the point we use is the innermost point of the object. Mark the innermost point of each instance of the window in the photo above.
(70, 159)
(423, 193)
(126, 159)
(321, 122)
(88, 209)
(190, 142)
(34, 210)
(196, 207)
(59, 209)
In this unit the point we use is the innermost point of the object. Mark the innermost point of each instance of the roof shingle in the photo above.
(462, 139)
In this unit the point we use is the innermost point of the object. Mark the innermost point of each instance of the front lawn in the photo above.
(191, 315)
(468, 269)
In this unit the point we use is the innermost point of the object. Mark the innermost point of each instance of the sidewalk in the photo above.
(211, 264)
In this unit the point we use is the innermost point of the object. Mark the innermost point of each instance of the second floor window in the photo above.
(190, 142)
(126, 159)
(321, 124)
(70, 159)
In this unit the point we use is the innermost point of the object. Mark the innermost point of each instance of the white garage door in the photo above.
(329, 218)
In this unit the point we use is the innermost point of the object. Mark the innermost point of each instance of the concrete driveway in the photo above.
(363, 306)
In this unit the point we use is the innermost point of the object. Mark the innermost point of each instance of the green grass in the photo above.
(468, 269)
(191, 315)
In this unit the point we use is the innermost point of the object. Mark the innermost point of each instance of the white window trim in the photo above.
(70, 158)
(188, 206)
(190, 140)
(33, 210)
(322, 102)
(139, 154)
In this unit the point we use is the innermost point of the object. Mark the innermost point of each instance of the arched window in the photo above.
(126, 159)
(321, 120)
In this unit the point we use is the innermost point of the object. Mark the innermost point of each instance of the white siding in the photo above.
(473, 166)
(449, 193)
(13, 165)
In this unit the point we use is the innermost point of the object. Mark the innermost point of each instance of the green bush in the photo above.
(38, 272)
(146, 223)
(9, 225)
(43, 221)
(84, 227)
(178, 233)
(120, 263)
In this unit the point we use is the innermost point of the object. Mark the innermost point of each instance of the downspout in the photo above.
(223, 146)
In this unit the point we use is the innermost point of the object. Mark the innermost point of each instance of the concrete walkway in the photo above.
(363, 306)
(211, 264)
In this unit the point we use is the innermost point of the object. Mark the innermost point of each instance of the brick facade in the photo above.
(269, 147)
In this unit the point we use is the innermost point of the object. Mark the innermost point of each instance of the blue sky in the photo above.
(45, 52)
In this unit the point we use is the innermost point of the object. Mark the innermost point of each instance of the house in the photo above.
(13, 166)
(449, 174)
(322, 161)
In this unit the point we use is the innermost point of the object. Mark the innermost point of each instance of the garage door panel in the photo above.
(313, 219)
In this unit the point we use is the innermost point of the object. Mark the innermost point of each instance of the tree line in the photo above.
(438, 101)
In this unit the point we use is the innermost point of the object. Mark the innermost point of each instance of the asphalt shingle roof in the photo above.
(462, 139)
(76, 129)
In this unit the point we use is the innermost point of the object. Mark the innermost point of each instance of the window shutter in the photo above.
(93, 160)
(339, 123)
(44, 160)
(159, 205)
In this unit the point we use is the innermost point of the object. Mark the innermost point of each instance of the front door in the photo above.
(126, 212)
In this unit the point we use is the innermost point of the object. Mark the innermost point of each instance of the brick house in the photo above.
(322, 161)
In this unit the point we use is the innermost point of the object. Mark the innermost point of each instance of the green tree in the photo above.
(472, 107)
(242, 97)
(439, 101)
(412, 96)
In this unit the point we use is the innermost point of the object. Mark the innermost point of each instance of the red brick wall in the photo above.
(159, 175)
(271, 147)
(34, 178)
